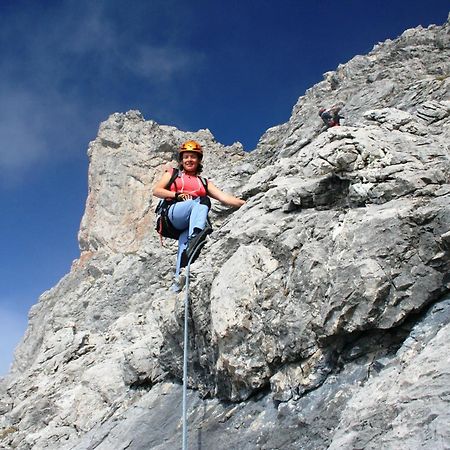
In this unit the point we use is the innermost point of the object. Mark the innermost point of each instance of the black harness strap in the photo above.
(163, 225)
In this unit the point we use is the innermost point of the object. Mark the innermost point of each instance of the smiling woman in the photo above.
(187, 197)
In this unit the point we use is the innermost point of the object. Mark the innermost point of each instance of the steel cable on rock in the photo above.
(185, 345)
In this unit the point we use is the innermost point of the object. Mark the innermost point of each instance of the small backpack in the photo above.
(163, 225)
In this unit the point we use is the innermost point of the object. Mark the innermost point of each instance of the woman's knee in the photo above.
(179, 217)
(205, 201)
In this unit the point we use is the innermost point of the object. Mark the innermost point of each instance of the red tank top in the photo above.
(188, 184)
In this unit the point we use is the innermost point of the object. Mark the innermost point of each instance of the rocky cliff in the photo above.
(320, 310)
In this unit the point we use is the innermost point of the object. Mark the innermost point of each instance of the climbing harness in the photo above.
(163, 225)
(185, 344)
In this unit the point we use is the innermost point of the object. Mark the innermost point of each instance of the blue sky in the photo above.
(235, 67)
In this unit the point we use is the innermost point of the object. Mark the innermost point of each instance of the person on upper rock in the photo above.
(331, 117)
(186, 195)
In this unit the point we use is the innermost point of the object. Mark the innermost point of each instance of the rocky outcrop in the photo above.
(319, 310)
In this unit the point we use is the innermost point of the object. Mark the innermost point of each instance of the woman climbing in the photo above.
(187, 194)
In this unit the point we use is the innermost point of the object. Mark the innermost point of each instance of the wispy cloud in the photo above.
(35, 127)
(73, 65)
(21, 128)
(162, 64)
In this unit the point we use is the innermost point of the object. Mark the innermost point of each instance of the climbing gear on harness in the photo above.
(191, 146)
(163, 225)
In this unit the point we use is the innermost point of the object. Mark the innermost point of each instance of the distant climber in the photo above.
(331, 116)
(186, 203)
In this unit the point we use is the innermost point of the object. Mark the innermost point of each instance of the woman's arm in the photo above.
(224, 198)
(160, 191)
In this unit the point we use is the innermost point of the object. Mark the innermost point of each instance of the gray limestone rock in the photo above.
(319, 311)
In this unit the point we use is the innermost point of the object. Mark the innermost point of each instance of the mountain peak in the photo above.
(319, 311)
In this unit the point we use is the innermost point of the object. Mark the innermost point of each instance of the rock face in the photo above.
(320, 310)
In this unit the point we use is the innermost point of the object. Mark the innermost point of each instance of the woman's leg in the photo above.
(182, 243)
(199, 216)
(179, 214)
(198, 230)
(189, 216)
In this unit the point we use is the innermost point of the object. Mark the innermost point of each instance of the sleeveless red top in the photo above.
(188, 184)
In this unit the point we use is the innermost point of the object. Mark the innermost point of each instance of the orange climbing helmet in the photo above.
(191, 146)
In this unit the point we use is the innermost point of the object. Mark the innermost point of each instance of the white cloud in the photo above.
(35, 127)
(12, 329)
(21, 117)
(88, 31)
(162, 64)
(46, 74)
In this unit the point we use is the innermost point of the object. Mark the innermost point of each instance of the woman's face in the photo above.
(190, 161)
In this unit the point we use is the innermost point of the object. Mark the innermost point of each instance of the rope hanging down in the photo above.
(185, 345)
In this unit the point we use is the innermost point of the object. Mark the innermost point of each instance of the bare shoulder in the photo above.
(165, 177)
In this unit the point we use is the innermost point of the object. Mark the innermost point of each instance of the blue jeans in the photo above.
(187, 216)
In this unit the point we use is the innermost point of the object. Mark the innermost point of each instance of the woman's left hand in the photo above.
(224, 198)
(184, 196)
